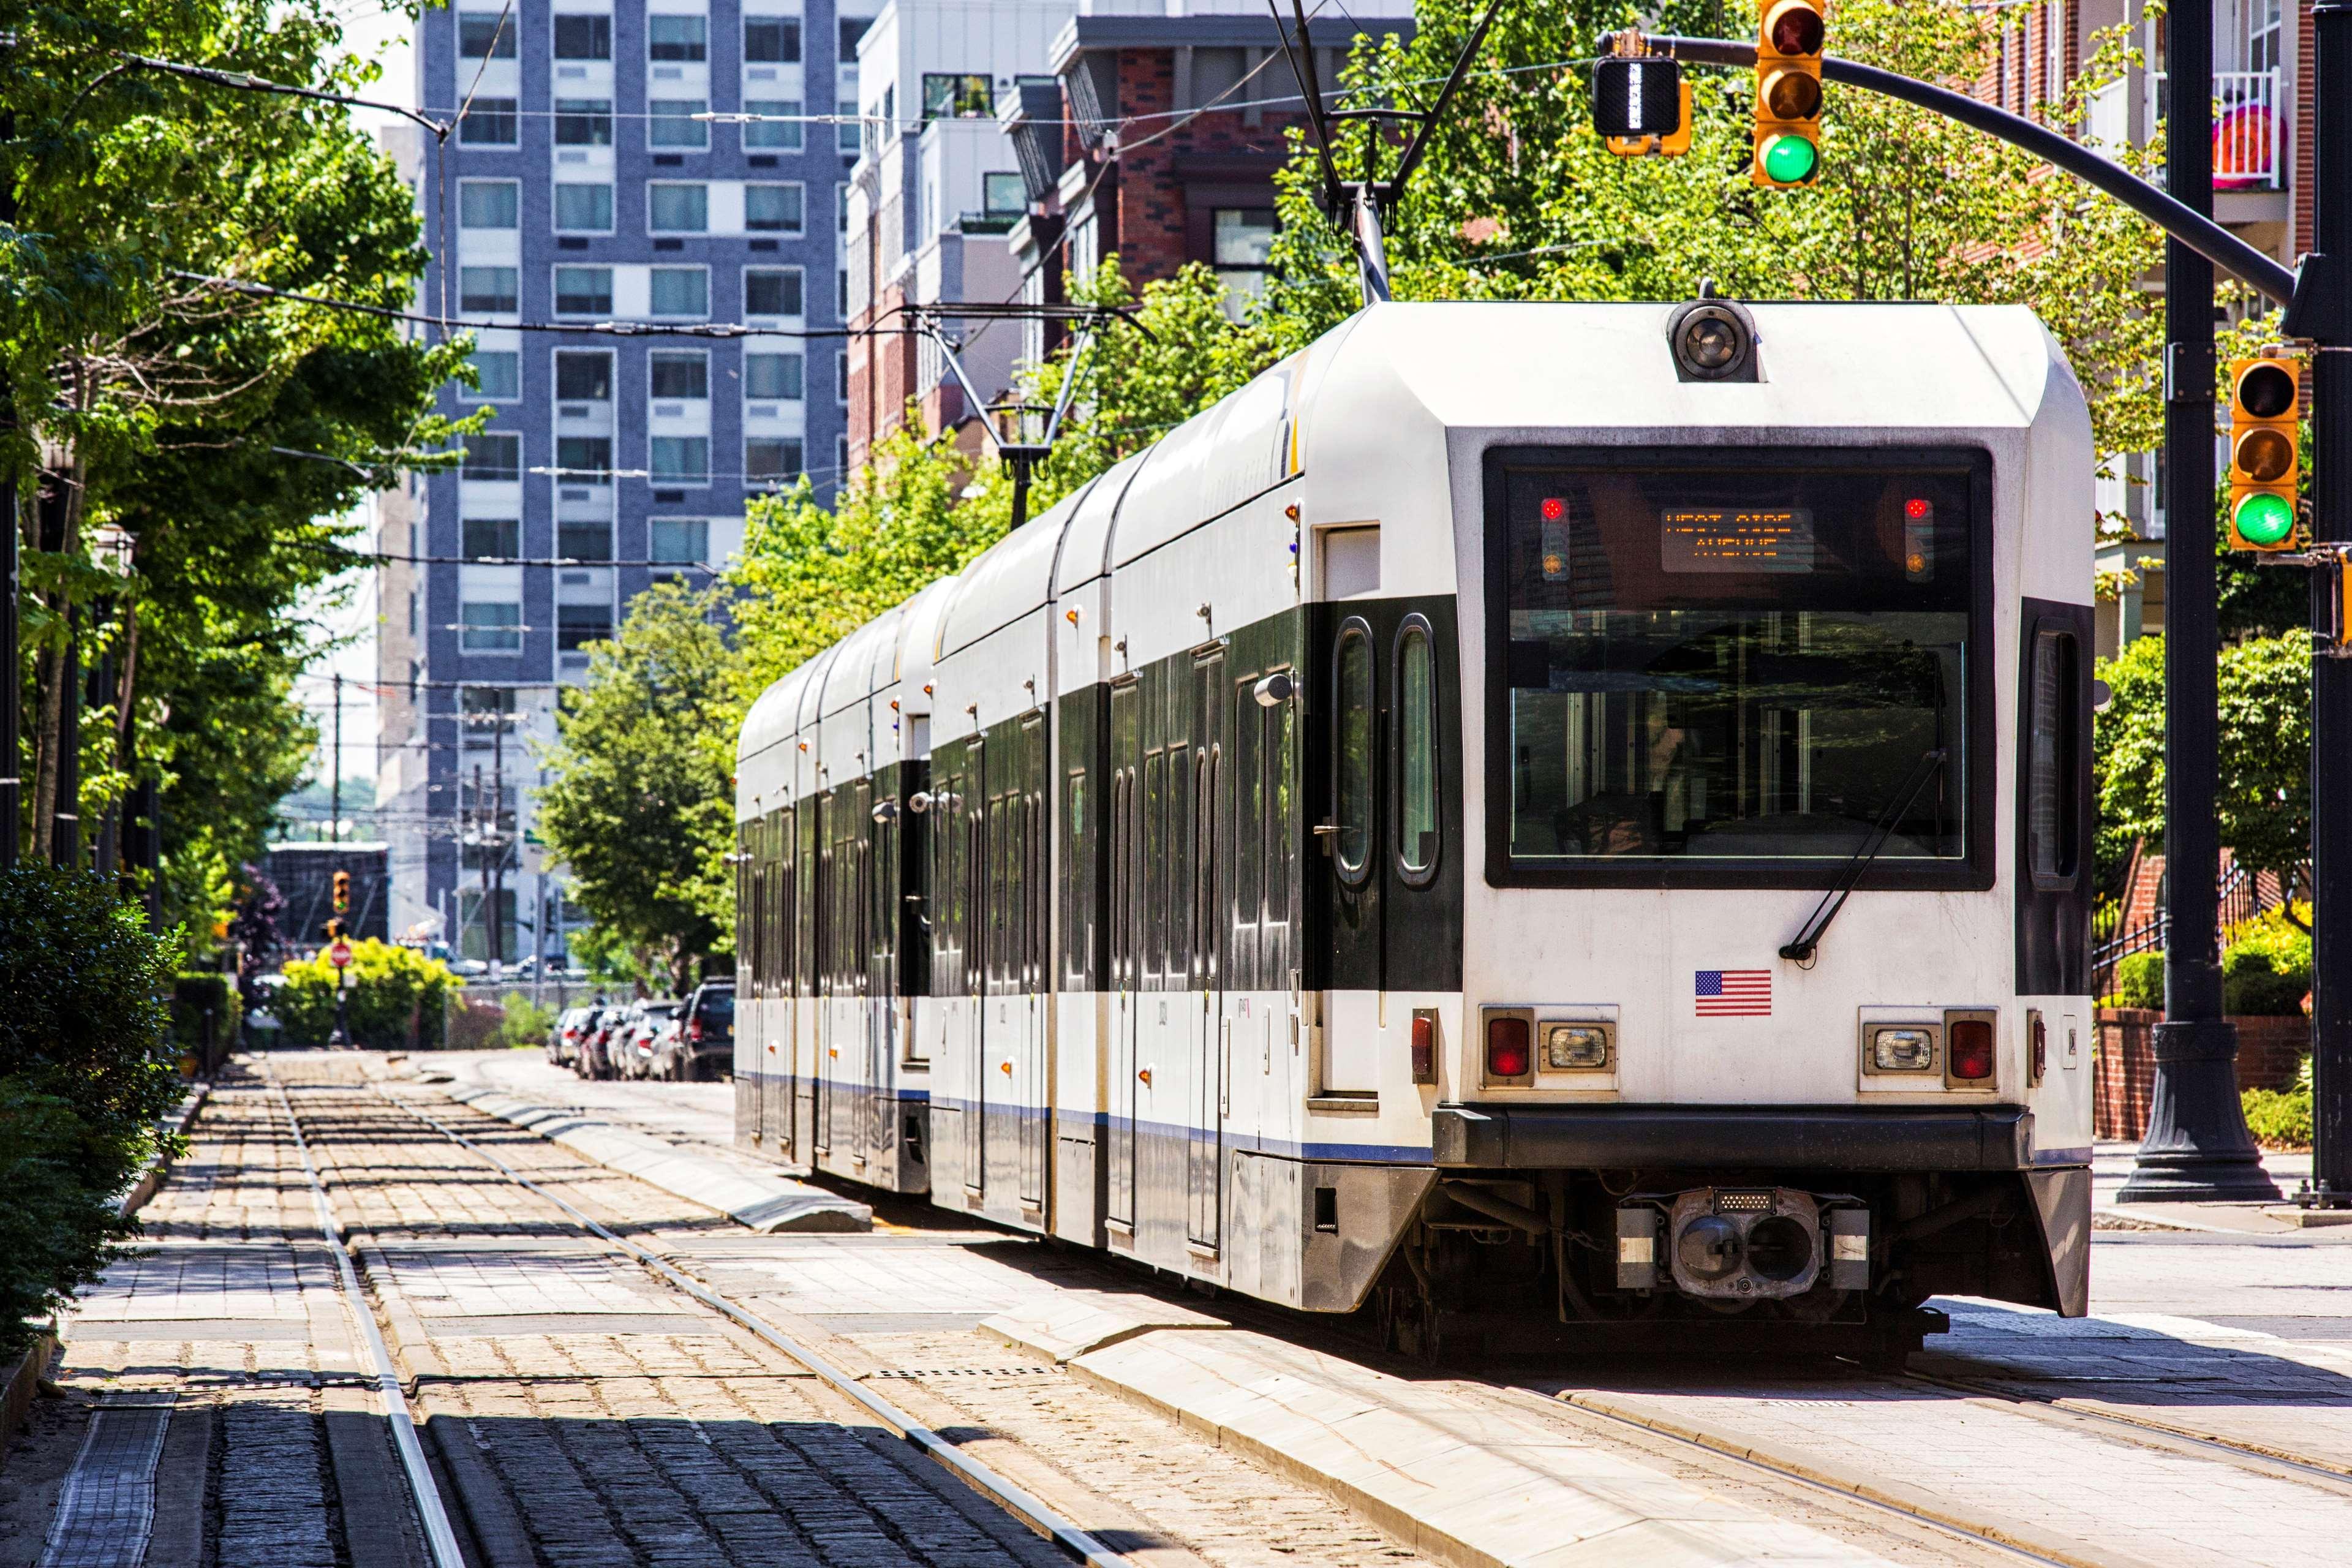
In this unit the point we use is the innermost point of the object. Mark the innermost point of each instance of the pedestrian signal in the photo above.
(2265, 404)
(1642, 105)
(1790, 37)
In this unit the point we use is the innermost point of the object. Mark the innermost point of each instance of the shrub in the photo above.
(2266, 970)
(398, 997)
(87, 1071)
(528, 1023)
(2139, 981)
(2279, 1121)
(191, 996)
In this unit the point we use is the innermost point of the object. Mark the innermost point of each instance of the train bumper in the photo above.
(1820, 1138)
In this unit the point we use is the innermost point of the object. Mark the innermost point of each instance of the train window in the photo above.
(1750, 658)
(1352, 748)
(2050, 827)
(1281, 824)
(1416, 751)
(1249, 811)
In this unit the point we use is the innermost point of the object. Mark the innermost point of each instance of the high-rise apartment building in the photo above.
(661, 164)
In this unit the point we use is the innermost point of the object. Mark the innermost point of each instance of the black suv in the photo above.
(705, 1047)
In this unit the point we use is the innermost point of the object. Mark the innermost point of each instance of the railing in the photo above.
(2241, 895)
(2249, 134)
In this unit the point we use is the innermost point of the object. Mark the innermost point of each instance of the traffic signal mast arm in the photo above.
(2198, 233)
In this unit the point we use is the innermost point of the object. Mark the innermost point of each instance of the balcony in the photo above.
(2249, 145)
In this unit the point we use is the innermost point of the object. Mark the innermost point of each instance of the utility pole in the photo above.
(482, 852)
(2331, 676)
(335, 770)
(2197, 1147)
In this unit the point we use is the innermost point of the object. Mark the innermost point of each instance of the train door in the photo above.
(975, 966)
(882, 905)
(1125, 825)
(827, 940)
(857, 1022)
(783, 1006)
(1035, 1106)
(1204, 1162)
(1350, 868)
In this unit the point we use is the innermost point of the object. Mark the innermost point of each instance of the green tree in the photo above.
(639, 803)
(2263, 805)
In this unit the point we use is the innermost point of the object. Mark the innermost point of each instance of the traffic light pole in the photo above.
(2196, 1148)
(2331, 676)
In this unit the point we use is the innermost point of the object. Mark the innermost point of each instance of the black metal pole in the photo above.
(2331, 677)
(2197, 1147)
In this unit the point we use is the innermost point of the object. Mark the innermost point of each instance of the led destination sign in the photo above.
(1735, 539)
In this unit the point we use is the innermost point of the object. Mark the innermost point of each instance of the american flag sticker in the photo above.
(1734, 993)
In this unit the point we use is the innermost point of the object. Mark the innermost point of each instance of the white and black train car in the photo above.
(1345, 853)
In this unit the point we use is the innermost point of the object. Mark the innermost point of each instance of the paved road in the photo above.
(218, 1410)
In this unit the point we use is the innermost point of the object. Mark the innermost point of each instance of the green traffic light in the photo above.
(2263, 519)
(1789, 160)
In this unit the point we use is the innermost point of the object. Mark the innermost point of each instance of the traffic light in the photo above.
(1789, 92)
(334, 929)
(343, 892)
(1641, 104)
(2265, 398)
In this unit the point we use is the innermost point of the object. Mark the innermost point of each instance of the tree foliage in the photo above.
(638, 804)
(2263, 804)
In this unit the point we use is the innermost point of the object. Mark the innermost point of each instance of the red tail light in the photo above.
(1424, 1047)
(694, 1031)
(1971, 1049)
(1506, 1047)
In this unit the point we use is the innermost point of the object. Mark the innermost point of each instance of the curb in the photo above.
(766, 1203)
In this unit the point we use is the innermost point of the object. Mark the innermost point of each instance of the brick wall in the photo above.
(881, 371)
(2270, 1055)
(1215, 159)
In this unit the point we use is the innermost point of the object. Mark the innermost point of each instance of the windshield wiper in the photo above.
(1807, 940)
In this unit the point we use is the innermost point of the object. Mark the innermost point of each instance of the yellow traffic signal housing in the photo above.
(1673, 144)
(2265, 405)
(342, 891)
(1791, 36)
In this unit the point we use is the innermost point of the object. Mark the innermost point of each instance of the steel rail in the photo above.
(1023, 1504)
(439, 1538)
(2191, 228)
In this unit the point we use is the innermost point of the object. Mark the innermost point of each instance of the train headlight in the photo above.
(1576, 1047)
(1903, 1051)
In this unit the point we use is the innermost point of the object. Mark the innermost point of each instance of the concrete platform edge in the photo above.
(763, 1203)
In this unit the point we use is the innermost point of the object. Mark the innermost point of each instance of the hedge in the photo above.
(398, 997)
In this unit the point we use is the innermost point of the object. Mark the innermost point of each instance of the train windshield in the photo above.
(1736, 662)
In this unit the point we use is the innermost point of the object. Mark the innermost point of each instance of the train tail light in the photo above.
(1424, 1045)
(1509, 1052)
(1969, 1050)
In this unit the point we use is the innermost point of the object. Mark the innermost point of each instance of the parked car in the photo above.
(635, 1059)
(592, 1061)
(563, 1040)
(705, 1047)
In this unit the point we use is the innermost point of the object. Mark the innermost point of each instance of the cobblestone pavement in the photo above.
(701, 1115)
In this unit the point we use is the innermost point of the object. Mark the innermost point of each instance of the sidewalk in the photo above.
(2111, 1167)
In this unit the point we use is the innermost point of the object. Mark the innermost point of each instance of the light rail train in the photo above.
(1371, 849)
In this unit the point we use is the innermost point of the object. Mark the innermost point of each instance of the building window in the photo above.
(584, 122)
(678, 540)
(771, 209)
(583, 37)
(583, 209)
(1241, 238)
(583, 459)
(852, 30)
(1003, 195)
(491, 122)
(498, 375)
(783, 131)
(680, 375)
(485, 35)
(490, 628)
(773, 376)
(671, 122)
(680, 460)
(491, 538)
(581, 540)
(849, 135)
(772, 461)
(489, 203)
(962, 95)
(772, 40)
(771, 291)
(678, 38)
(841, 208)
(412, 632)
(584, 376)
(681, 291)
(577, 626)
(494, 456)
(583, 291)
(487, 288)
(678, 209)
